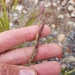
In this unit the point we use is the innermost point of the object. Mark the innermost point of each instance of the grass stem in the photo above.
(5, 15)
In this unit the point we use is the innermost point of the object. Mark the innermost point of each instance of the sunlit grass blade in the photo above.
(30, 22)
(21, 18)
(1, 28)
(2, 25)
(5, 15)
(2, 22)
(15, 4)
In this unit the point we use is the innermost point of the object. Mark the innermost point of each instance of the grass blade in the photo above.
(5, 15)
(15, 4)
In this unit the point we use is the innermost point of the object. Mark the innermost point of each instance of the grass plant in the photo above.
(4, 19)
(4, 22)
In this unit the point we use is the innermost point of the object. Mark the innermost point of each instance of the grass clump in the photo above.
(4, 19)
(4, 22)
(15, 4)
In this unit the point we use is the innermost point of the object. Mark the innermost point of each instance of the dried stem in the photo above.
(39, 34)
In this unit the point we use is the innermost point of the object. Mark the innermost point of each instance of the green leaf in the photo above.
(5, 16)
(15, 4)
(30, 22)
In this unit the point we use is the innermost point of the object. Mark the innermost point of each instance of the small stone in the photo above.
(52, 59)
(70, 22)
(15, 14)
(70, 54)
(74, 49)
(62, 61)
(73, 63)
(7, 1)
(41, 2)
(74, 54)
(59, 8)
(39, 62)
(68, 15)
(53, 25)
(56, 59)
(54, 4)
(71, 67)
(74, 24)
(30, 43)
(47, 4)
(42, 40)
(73, 14)
(65, 54)
(68, 65)
(13, 28)
(36, 1)
(69, 59)
(61, 37)
(61, 16)
(60, 44)
(58, 1)
(64, 2)
(44, 61)
(19, 7)
(71, 8)
(10, 25)
(71, 1)
(61, 73)
(24, 11)
(63, 66)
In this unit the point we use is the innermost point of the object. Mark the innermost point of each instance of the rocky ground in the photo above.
(59, 15)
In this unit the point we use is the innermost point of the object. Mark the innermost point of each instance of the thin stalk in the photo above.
(38, 36)
(1, 28)
(71, 71)
(2, 22)
(15, 4)
(5, 15)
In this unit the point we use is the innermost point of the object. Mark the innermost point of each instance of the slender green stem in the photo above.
(2, 22)
(15, 3)
(71, 71)
(5, 15)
